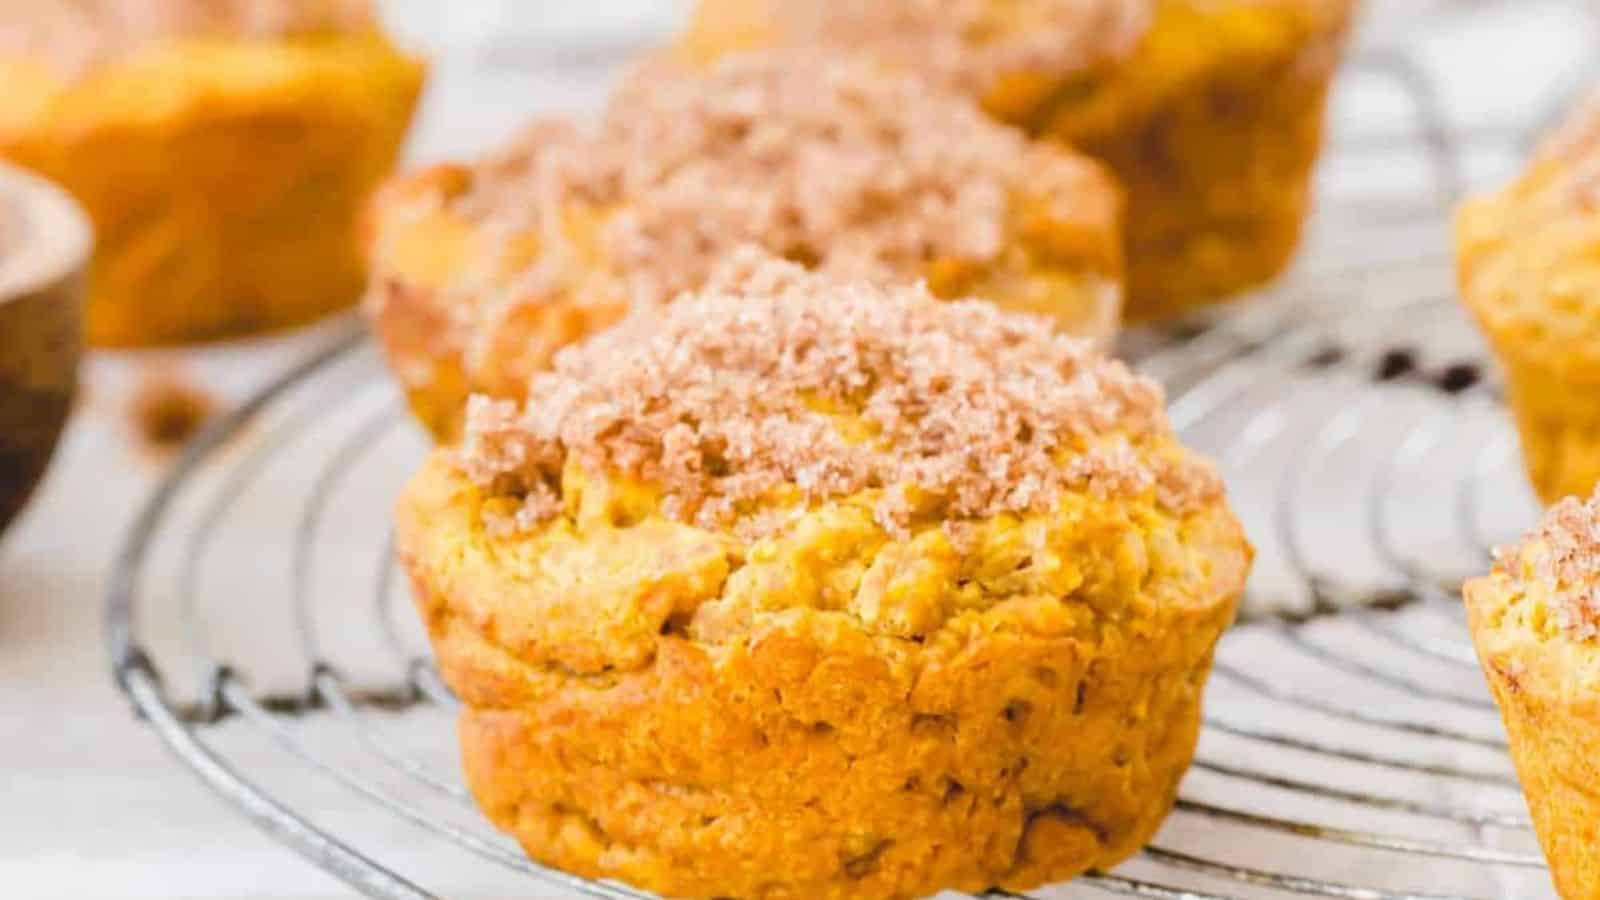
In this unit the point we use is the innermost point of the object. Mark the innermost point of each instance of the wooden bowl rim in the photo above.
(48, 238)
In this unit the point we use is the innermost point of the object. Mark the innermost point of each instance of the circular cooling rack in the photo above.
(259, 624)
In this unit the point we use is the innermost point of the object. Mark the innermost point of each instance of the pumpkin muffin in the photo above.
(1528, 263)
(1209, 111)
(1536, 622)
(223, 148)
(801, 588)
(483, 272)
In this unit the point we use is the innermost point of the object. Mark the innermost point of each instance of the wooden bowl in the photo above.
(45, 243)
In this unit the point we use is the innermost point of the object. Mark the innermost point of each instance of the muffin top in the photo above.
(1526, 252)
(774, 389)
(1573, 150)
(965, 44)
(77, 36)
(1559, 561)
(834, 163)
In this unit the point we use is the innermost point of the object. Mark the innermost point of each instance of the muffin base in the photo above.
(1558, 419)
(1553, 725)
(1214, 127)
(225, 181)
(811, 757)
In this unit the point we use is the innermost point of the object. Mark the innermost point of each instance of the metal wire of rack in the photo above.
(1350, 750)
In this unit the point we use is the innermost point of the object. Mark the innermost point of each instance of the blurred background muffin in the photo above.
(836, 590)
(1209, 111)
(1535, 620)
(44, 248)
(481, 273)
(223, 148)
(1528, 263)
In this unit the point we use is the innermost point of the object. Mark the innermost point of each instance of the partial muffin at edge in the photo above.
(1210, 113)
(1535, 620)
(801, 588)
(1528, 268)
(483, 272)
(224, 149)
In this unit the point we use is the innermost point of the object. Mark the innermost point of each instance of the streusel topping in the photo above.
(836, 163)
(774, 377)
(970, 44)
(1563, 556)
(1575, 145)
(80, 34)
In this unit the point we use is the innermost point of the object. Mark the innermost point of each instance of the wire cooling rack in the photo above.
(258, 623)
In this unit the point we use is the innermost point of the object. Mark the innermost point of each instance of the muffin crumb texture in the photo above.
(801, 588)
(774, 376)
(1562, 558)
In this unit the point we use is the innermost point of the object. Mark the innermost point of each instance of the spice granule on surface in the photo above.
(836, 163)
(1563, 556)
(773, 377)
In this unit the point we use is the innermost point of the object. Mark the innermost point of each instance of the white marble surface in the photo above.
(91, 805)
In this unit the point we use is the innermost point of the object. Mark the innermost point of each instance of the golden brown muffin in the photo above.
(223, 148)
(1528, 263)
(1209, 111)
(798, 588)
(1536, 622)
(482, 273)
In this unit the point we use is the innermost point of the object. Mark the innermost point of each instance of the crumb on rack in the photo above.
(167, 410)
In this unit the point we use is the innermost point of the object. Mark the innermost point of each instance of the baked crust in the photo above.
(1211, 117)
(449, 304)
(1528, 268)
(224, 177)
(1547, 685)
(641, 703)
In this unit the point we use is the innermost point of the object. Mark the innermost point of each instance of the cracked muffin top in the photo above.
(831, 162)
(78, 36)
(775, 389)
(1555, 570)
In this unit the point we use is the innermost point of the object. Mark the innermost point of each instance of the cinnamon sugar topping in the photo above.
(837, 164)
(1563, 555)
(81, 34)
(970, 44)
(774, 379)
(1576, 145)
